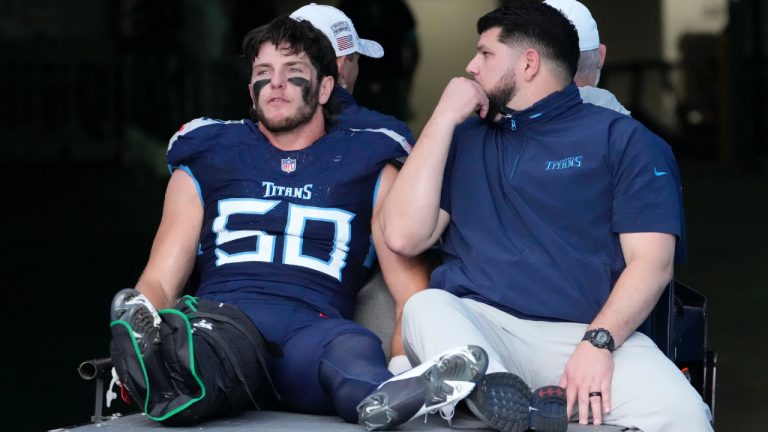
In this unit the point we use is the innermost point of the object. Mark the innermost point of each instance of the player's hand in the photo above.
(461, 98)
(589, 370)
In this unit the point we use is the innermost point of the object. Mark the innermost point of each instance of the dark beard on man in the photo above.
(500, 95)
(309, 94)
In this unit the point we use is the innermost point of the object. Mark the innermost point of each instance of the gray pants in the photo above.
(648, 391)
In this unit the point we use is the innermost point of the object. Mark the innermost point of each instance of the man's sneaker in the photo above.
(135, 309)
(505, 402)
(444, 380)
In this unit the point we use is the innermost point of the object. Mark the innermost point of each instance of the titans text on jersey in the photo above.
(272, 190)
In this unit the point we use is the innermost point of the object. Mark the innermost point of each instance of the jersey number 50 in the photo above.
(298, 215)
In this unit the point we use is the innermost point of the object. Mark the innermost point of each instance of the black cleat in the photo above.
(433, 385)
(505, 402)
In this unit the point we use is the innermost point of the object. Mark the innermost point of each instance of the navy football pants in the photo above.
(327, 366)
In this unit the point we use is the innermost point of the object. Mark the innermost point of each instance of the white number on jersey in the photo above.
(298, 216)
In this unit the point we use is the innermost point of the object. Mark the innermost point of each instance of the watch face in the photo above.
(601, 338)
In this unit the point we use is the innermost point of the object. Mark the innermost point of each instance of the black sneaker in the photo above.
(433, 385)
(134, 308)
(505, 402)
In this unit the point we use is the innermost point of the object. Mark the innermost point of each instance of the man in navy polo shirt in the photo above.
(560, 223)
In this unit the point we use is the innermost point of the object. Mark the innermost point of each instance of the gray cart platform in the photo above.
(290, 422)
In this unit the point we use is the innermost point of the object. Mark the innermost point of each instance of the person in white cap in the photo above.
(340, 30)
(592, 55)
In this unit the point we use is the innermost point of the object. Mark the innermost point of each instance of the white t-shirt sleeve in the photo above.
(603, 98)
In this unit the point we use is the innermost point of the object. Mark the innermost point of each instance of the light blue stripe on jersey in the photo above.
(197, 185)
(194, 124)
(372, 250)
(392, 134)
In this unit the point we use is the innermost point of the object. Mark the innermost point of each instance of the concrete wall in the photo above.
(447, 37)
(690, 16)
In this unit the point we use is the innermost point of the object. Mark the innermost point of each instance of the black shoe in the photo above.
(433, 385)
(135, 309)
(505, 402)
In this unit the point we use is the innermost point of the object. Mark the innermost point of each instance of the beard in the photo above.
(500, 95)
(311, 97)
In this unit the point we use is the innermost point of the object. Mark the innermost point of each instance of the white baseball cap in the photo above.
(579, 15)
(339, 29)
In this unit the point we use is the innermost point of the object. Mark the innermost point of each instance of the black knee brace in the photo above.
(210, 361)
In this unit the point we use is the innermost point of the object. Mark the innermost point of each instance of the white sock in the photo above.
(399, 364)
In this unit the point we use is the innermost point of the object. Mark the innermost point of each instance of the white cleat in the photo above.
(137, 311)
(433, 385)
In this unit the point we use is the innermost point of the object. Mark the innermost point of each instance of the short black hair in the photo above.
(297, 36)
(538, 24)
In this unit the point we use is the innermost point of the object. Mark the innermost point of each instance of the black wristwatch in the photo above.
(600, 338)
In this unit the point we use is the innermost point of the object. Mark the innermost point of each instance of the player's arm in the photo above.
(411, 219)
(649, 258)
(403, 275)
(175, 246)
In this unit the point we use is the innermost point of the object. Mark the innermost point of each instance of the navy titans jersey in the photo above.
(538, 201)
(284, 225)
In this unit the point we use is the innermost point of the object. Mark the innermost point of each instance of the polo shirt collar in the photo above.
(543, 110)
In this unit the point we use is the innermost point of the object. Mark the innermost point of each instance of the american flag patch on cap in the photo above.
(344, 42)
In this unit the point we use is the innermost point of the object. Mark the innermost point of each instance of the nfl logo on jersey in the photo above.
(288, 165)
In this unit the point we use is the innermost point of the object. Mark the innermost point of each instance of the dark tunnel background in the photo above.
(91, 90)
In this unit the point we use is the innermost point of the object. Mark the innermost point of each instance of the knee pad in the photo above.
(210, 361)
